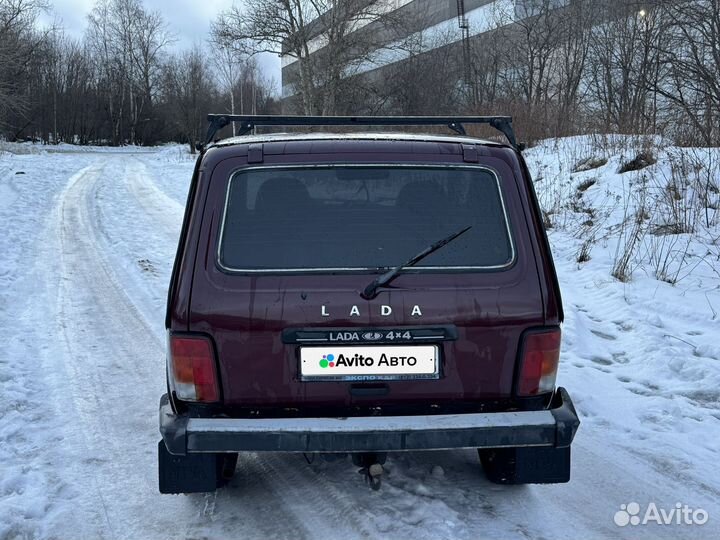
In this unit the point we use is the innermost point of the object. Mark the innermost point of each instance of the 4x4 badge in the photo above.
(385, 311)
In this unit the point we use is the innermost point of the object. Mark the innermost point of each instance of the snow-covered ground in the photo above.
(88, 238)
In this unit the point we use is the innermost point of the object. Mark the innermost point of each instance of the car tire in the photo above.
(498, 465)
(226, 464)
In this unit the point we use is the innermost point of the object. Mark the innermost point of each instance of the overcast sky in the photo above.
(188, 19)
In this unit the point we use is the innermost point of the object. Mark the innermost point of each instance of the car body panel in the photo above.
(245, 315)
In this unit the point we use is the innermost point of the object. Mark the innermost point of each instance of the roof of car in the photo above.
(371, 136)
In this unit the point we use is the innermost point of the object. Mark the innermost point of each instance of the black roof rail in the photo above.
(455, 123)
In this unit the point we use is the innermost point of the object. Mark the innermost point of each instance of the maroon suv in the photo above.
(362, 294)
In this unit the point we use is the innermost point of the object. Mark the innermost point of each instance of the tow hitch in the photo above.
(371, 466)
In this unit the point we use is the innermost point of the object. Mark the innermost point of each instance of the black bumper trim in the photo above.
(554, 427)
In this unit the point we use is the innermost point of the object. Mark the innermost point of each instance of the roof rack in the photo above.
(455, 123)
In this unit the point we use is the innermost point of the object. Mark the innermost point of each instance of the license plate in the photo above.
(381, 362)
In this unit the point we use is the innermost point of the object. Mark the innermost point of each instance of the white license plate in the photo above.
(379, 362)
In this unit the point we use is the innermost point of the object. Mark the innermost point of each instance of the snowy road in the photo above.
(85, 255)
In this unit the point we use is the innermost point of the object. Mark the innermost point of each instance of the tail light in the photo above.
(539, 363)
(192, 366)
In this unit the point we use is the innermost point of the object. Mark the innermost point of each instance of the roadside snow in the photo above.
(24, 148)
(85, 255)
(647, 337)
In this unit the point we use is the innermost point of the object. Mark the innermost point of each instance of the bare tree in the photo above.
(127, 42)
(186, 82)
(428, 80)
(571, 60)
(531, 43)
(625, 64)
(691, 58)
(150, 37)
(488, 56)
(231, 61)
(323, 37)
(19, 41)
(103, 44)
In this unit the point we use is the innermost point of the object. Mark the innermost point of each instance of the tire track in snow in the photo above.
(326, 511)
(34, 428)
(107, 345)
(115, 362)
(159, 207)
(308, 501)
(137, 229)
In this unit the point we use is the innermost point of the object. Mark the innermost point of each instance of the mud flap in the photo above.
(528, 465)
(193, 473)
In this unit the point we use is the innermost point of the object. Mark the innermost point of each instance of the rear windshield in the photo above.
(345, 218)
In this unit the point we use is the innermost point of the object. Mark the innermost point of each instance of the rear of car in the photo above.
(363, 294)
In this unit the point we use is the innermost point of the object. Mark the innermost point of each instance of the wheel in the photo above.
(226, 464)
(498, 465)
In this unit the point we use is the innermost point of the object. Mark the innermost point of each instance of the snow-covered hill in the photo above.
(87, 244)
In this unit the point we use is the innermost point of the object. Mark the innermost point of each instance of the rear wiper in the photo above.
(370, 291)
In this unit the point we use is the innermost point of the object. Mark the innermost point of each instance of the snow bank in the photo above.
(24, 148)
(651, 329)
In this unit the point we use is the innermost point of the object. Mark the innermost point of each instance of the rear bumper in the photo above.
(554, 427)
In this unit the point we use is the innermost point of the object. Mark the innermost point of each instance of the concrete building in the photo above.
(426, 23)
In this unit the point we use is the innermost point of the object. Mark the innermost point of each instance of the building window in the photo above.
(530, 8)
